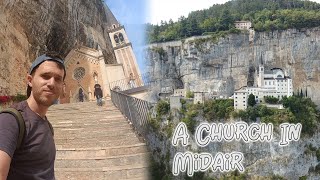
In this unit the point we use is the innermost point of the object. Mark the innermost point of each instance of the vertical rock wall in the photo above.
(29, 28)
(202, 64)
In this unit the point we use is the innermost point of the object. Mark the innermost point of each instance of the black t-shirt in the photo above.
(98, 93)
(35, 158)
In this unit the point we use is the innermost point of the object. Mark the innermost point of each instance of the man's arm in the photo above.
(5, 161)
(9, 132)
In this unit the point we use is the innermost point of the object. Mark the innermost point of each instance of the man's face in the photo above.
(46, 83)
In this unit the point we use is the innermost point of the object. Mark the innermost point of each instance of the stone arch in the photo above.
(75, 96)
(121, 37)
(116, 38)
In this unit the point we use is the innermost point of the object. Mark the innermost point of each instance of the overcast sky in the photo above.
(166, 9)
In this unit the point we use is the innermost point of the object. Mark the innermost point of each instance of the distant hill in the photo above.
(265, 16)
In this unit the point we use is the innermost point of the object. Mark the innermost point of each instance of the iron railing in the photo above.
(130, 83)
(135, 110)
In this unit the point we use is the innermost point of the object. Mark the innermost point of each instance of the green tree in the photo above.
(162, 108)
(305, 112)
(190, 94)
(225, 20)
(265, 16)
(251, 100)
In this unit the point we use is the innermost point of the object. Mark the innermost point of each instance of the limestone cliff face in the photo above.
(30, 27)
(261, 159)
(201, 64)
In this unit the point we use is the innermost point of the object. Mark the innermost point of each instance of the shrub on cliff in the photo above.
(218, 109)
(162, 108)
(305, 112)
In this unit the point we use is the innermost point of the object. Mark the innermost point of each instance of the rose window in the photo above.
(79, 73)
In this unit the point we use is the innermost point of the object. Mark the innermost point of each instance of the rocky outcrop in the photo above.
(262, 160)
(206, 64)
(30, 27)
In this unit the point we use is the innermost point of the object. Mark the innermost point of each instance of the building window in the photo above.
(121, 37)
(79, 73)
(116, 39)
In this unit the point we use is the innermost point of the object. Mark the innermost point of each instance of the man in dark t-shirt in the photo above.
(35, 158)
(98, 94)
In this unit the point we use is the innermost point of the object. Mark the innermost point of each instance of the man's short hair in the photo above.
(50, 56)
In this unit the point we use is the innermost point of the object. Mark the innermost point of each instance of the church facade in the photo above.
(86, 67)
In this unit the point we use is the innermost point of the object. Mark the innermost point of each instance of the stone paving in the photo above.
(96, 142)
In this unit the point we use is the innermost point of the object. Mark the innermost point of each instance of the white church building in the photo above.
(273, 83)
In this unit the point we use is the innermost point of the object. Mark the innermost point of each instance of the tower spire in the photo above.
(112, 22)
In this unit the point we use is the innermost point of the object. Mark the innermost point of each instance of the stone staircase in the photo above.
(96, 142)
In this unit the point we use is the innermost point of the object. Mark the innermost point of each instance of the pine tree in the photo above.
(251, 100)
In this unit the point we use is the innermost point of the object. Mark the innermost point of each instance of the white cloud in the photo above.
(173, 9)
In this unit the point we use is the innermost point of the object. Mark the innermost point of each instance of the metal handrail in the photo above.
(130, 83)
(135, 110)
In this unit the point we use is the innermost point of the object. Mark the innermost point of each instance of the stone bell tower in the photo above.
(122, 47)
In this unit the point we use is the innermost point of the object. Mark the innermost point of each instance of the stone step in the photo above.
(84, 144)
(76, 115)
(127, 172)
(85, 108)
(89, 118)
(98, 139)
(124, 172)
(80, 133)
(96, 153)
(96, 142)
(102, 119)
(81, 119)
(110, 162)
(89, 124)
(91, 128)
(91, 105)
(80, 106)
